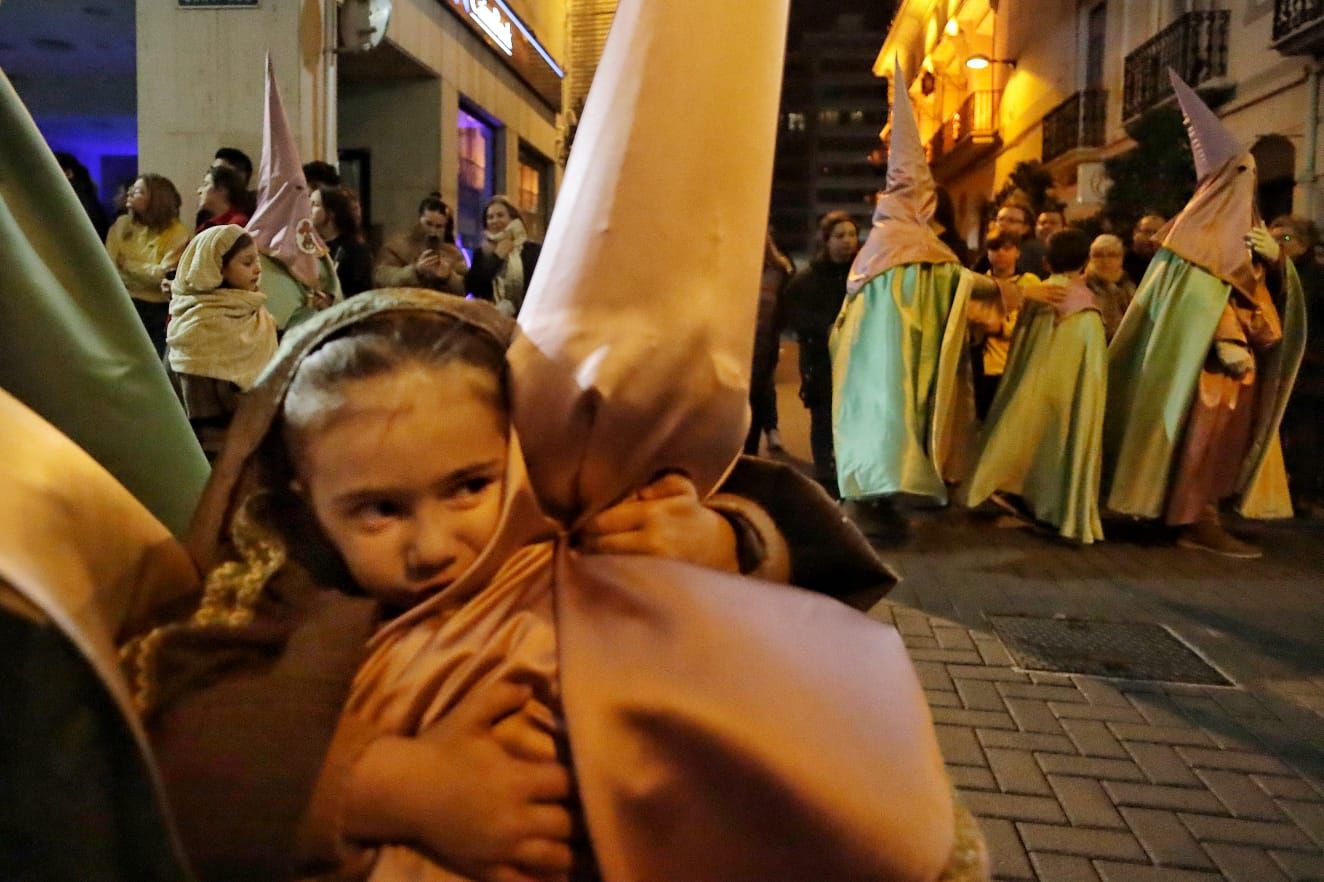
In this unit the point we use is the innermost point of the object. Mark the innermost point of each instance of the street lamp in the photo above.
(980, 61)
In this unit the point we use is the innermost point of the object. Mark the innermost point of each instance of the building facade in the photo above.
(1058, 82)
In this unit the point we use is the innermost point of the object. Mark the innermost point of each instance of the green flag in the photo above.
(71, 345)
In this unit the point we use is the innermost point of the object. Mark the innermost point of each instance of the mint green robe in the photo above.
(287, 297)
(73, 347)
(1043, 439)
(901, 384)
(1154, 362)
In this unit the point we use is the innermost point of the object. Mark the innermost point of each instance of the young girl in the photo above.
(376, 456)
(220, 334)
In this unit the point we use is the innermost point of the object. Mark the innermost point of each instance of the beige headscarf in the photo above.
(224, 333)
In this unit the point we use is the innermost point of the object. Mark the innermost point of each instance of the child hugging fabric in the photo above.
(220, 334)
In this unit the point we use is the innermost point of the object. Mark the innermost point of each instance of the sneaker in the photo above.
(1211, 537)
(774, 441)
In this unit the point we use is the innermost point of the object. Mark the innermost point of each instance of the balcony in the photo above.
(1075, 123)
(965, 135)
(1195, 46)
(1298, 26)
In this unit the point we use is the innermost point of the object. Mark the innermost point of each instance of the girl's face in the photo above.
(842, 242)
(210, 197)
(244, 271)
(498, 217)
(405, 475)
(137, 199)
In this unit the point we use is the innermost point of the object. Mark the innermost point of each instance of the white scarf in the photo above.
(508, 284)
(223, 333)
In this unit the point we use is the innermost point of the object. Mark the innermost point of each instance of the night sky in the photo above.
(818, 14)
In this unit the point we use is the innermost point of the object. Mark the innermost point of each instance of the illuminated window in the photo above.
(476, 140)
(534, 192)
(795, 122)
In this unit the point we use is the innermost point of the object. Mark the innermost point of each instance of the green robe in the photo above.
(1043, 439)
(73, 347)
(1154, 362)
(287, 297)
(901, 386)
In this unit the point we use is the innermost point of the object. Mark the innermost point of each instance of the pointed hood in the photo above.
(71, 346)
(638, 327)
(1210, 231)
(901, 232)
(1211, 143)
(282, 224)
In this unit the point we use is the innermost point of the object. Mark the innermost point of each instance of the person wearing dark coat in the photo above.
(503, 266)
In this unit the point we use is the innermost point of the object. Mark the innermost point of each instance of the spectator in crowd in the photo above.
(334, 219)
(813, 299)
(503, 266)
(1144, 243)
(1003, 251)
(221, 198)
(1050, 221)
(945, 218)
(145, 244)
(1112, 287)
(424, 257)
(1303, 423)
(237, 160)
(1016, 218)
(777, 268)
(85, 190)
(320, 174)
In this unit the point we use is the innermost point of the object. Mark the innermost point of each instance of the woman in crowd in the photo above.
(813, 299)
(503, 267)
(221, 198)
(85, 189)
(145, 244)
(1107, 278)
(333, 215)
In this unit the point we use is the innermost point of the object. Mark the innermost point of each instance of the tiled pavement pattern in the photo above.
(1078, 778)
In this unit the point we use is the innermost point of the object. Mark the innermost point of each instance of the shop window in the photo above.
(477, 148)
(533, 195)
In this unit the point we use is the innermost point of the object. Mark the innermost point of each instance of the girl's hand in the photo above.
(456, 793)
(664, 519)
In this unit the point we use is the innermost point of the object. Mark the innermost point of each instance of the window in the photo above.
(477, 147)
(1095, 34)
(534, 191)
(795, 122)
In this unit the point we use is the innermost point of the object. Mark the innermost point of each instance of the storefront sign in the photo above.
(502, 30)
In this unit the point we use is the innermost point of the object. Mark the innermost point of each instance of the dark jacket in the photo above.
(812, 300)
(353, 261)
(486, 267)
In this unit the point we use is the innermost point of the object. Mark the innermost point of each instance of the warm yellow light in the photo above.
(952, 28)
(978, 61)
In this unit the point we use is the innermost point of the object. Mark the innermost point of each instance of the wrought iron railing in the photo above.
(1290, 16)
(1076, 122)
(1195, 46)
(977, 116)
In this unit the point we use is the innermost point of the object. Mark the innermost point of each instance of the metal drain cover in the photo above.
(1124, 650)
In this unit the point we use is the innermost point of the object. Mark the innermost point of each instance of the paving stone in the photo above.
(959, 745)
(1300, 865)
(1158, 796)
(1105, 712)
(1093, 738)
(974, 672)
(1309, 816)
(1013, 807)
(1263, 833)
(1241, 863)
(1033, 715)
(1159, 710)
(933, 675)
(1017, 772)
(959, 656)
(1090, 767)
(1101, 692)
(1006, 853)
(1085, 802)
(1031, 741)
(1242, 796)
(959, 716)
(1063, 866)
(1173, 735)
(1288, 788)
(980, 694)
(1163, 765)
(1241, 704)
(918, 643)
(1232, 761)
(1166, 839)
(1044, 693)
(1049, 678)
(913, 624)
(938, 698)
(1078, 840)
(993, 652)
(954, 638)
(1115, 872)
(972, 778)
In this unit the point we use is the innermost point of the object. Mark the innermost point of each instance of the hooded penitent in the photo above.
(901, 387)
(74, 350)
(282, 224)
(80, 560)
(1157, 356)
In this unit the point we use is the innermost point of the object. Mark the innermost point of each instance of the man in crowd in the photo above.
(237, 161)
(320, 174)
(1144, 243)
(422, 257)
(1050, 221)
(1016, 218)
(1303, 422)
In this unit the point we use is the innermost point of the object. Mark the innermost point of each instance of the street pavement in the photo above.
(1078, 778)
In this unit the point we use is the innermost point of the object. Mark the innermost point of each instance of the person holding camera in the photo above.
(426, 256)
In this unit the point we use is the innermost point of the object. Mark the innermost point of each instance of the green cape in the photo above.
(74, 349)
(901, 387)
(287, 297)
(1043, 439)
(1154, 362)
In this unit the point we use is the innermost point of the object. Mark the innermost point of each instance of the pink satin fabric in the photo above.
(1211, 230)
